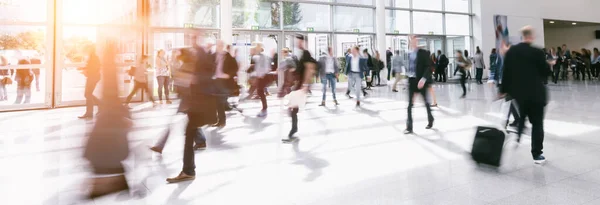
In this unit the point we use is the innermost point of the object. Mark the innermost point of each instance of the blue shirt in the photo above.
(412, 64)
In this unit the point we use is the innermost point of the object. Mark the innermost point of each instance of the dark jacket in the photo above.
(423, 69)
(525, 68)
(362, 64)
(92, 67)
(203, 94)
(442, 63)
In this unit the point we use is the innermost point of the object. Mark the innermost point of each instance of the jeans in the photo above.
(23, 90)
(412, 89)
(139, 86)
(535, 112)
(479, 75)
(163, 84)
(355, 83)
(331, 79)
(199, 138)
(389, 70)
(90, 99)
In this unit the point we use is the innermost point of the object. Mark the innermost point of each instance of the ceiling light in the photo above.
(574, 23)
(551, 21)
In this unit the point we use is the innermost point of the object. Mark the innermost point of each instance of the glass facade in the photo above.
(48, 40)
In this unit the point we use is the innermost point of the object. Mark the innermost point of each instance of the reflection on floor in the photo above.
(346, 156)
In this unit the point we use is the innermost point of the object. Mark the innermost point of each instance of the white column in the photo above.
(226, 21)
(380, 26)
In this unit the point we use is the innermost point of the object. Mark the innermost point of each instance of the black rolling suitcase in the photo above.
(487, 146)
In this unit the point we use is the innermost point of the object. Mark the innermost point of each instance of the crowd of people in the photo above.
(206, 75)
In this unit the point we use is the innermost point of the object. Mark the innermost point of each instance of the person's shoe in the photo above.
(336, 102)
(156, 149)
(102, 186)
(357, 103)
(540, 159)
(290, 139)
(394, 90)
(200, 146)
(429, 126)
(348, 95)
(160, 102)
(182, 177)
(86, 116)
(322, 104)
(514, 124)
(408, 131)
(463, 96)
(262, 113)
(434, 105)
(169, 102)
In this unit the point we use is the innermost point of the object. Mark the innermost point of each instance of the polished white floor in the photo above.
(346, 156)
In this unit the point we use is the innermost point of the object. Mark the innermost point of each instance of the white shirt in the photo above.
(355, 66)
(329, 65)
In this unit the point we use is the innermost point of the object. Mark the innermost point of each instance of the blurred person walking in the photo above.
(356, 67)
(5, 79)
(479, 64)
(226, 70)
(107, 144)
(305, 70)
(163, 74)
(183, 79)
(24, 78)
(440, 67)
(462, 66)
(140, 80)
(201, 108)
(397, 68)
(419, 76)
(92, 73)
(262, 66)
(525, 67)
(328, 73)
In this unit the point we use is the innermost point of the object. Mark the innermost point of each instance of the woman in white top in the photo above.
(162, 75)
(479, 64)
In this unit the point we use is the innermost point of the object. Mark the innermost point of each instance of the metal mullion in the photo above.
(444, 23)
(58, 49)
(281, 19)
(329, 3)
(443, 5)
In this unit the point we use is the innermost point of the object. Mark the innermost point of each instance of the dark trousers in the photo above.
(163, 85)
(224, 90)
(463, 81)
(139, 86)
(260, 90)
(389, 70)
(90, 99)
(479, 75)
(375, 74)
(412, 90)
(555, 74)
(294, 115)
(535, 112)
(191, 132)
(440, 75)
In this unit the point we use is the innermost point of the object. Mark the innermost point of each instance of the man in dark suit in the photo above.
(388, 61)
(226, 69)
(440, 67)
(525, 68)
(419, 74)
